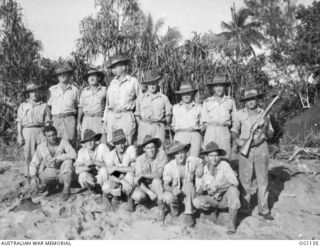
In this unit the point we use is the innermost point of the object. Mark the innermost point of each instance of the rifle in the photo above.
(246, 146)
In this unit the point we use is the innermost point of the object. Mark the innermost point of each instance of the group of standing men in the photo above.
(171, 176)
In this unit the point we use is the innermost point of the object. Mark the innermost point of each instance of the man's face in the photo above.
(181, 157)
(64, 77)
(213, 158)
(187, 97)
(218, 90)
(91, 144)
(251, 104)
(51, 137)
(153, 87)
(93, 80)
(120, 146)
(150, 150)
(118, 69)
(34, 95)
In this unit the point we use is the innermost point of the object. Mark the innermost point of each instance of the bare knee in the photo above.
(196, 202)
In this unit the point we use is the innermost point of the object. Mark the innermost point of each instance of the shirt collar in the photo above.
(192, 104)
(34, 103)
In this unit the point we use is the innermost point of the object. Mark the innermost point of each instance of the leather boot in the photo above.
(130, 205)
(232, 221)
(190, 221)
(174, 208)
(162, 211)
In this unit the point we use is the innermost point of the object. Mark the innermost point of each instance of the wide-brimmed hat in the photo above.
(150, 77)
(176, 147)
(94, 72)
(65, 68)
(32, 86)
(118, 59)
(148, 139)
(219, 79)
(186, 88)
(213, 147)
(89, 135)
(117, 136)
(251, 94)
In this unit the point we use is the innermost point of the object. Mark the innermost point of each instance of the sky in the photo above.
(56, 22)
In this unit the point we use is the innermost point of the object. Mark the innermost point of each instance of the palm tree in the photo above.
(241, 34)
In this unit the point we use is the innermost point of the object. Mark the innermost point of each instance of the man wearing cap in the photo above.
(33, 114)
(186, 119)
(179, 180)
(117, 177)
(64, 99)
(121, 100)
(91, 157)
(257, 160)
(92, 103)
(217, 188)
(153, 110)
(148, 173)
(52, 163)
(218, 115)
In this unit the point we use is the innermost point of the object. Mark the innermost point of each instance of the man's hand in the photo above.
(126, 186)
(52, 162)
(35, 182)
(20, 140)
(176, 191)
(258, 141)
(212, 190)
(240, 142)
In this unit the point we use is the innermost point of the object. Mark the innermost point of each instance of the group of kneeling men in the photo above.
(108, 119)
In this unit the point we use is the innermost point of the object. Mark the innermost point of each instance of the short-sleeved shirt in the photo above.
(93, 101)
(153, 107)
(223, 176)
(173, 174)
(216, 111)
(129, 157)
(143, 165)
(84, 155)
(33, 114)
(43, 155)
(122, 95)
(63, 102)
(186, 116)
(244, 121)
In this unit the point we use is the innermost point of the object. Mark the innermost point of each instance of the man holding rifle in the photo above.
(253, 121)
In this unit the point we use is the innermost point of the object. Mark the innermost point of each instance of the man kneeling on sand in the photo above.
(52, 163)
(91, 157)
(179, 180)
(217, 188)
(116, 178)
(148, 173)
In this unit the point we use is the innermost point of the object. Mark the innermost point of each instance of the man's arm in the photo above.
(70, 153)
(20, 137)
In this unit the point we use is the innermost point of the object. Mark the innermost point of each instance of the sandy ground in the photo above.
(294, 197)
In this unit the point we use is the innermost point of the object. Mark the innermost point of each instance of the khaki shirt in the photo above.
(153, 107)
(143, 165)
(93, 102)
(221, 112)
(243, 123)
(186, 116)
(222, 177)
(173, 174)
(33, 114)
(63, 102)
(129, 157)
(122, 95)
(42, 156)
(84, 156)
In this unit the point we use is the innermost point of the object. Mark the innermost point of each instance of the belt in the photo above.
(187, 130)
(152, 121)
(119, 111)
(34, 126)
(64, 115)
(214, 123)
(99, 114)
